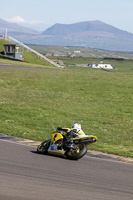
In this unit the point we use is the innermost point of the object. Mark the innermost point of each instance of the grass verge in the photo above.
(34, 102)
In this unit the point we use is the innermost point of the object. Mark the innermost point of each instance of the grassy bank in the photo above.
(30, 59)
(34, 102)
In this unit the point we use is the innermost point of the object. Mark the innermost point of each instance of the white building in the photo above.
(101, 65)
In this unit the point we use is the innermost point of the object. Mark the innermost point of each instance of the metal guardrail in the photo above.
(35, 52)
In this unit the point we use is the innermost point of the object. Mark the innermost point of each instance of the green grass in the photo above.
(34, 102)
(2, 42)
(33, 59)
(18, 63)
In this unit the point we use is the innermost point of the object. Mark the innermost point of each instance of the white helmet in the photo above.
(77, 127)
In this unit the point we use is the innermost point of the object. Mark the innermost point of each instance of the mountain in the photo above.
(94, 34)
(85, 28)
(90, 34)
(14, 28)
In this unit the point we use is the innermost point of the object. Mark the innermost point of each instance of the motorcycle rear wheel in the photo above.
(77, 154)
(43, 147)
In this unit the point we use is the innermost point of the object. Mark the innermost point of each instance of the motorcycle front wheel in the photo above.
(43, 147)
(80, 151)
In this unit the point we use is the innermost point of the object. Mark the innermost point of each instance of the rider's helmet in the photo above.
(77, 127)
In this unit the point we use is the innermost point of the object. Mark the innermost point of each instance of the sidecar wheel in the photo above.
(43, 147)
(77, 154)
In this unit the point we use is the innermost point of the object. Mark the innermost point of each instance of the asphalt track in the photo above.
(6, 66)
(26, 175)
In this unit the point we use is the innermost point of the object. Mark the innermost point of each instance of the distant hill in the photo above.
(14, 28)
(90, 34)
(94, 34)
(86, 28)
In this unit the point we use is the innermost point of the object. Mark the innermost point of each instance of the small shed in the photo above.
(101, 65)
(13, 51)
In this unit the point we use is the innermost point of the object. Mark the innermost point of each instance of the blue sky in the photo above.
(42, 14)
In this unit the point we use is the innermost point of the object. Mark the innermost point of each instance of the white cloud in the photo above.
(18, 19)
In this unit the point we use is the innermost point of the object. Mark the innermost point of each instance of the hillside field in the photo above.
(80, 52)
(34, 102)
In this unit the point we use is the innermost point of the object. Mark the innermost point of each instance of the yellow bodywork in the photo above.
(56, 136)
(91, 137)
(54, 147)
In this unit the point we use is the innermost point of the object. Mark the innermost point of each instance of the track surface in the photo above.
(6, 66)
(26, 175)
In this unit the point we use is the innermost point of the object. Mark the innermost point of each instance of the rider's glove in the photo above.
(59, 128)
(75, 130)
